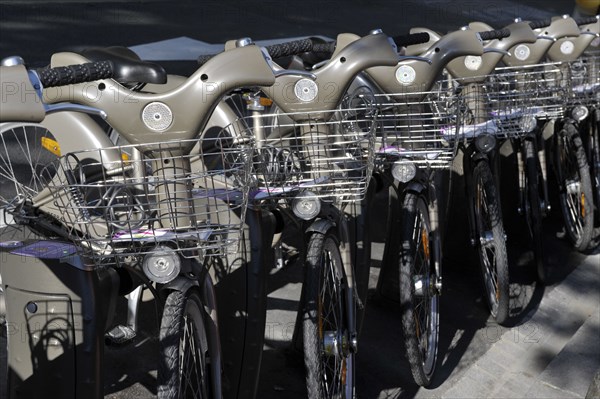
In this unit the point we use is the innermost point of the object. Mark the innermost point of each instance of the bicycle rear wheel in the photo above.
(533, 207)
(328, 359)
(491, 243)
(419, 296)
(575, 186)
(183, 370)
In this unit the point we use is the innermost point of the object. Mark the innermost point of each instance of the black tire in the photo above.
(593, 148)
(418, 308)
(362, 257)
(533, 207)
(575, 187)
(328, 359)
(183, 312)
(491, 242)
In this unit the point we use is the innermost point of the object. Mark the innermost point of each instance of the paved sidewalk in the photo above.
(553, 354)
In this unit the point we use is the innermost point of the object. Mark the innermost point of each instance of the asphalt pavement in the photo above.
(552, 347)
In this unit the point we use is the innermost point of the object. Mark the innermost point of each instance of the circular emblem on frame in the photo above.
(567, 47)
(306, 90)
(473, 62)
(405, 74)
(157, 116)
(522, 52)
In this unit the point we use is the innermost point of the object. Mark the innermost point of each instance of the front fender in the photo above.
(320, 226)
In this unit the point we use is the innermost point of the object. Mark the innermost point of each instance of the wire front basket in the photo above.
(419, 127)
(329, 153)
(510, 102)
(118, 204)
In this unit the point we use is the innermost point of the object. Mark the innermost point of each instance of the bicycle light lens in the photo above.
(580, 112)
(162, 265)
(404, 171)
(306, 205)
(485, 143)
(527, 123)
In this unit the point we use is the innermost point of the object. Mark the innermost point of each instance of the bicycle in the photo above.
(416, 147)
(126, 228)
(570, 156)
(313, 161)
(588, 128)
(478, 134)
(535, 96)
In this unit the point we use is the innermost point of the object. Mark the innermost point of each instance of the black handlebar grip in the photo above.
(586, 21)
(275, 51)
(203, 59)
(327, 48)
(408, 40)
(289, 48)
(494, 34)
(73, 74)
(540, 24)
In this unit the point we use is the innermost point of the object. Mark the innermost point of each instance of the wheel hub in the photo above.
(426, 286)
(486, 238)
(420, 283)
(334, 343)
(573, 187)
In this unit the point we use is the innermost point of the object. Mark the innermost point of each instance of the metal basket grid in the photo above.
(121, 203)
(328, 153)
(539, 90)
(418, 126)
(509, 102)
(583, 81)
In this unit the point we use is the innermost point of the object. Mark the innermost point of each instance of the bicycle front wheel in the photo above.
(327, 356)
(593, 144)
(419, 296)
(491, 243)
(27, 156)
(575, 187)
(183, 371)
(533, 207)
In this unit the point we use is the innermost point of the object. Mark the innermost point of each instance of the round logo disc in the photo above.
(405, 74)
(306, 90)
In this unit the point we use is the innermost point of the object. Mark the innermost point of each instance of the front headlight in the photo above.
(306, 205)
(485, 143)
(162, 265)
(527, 123)
(404, 171)
(580, 112)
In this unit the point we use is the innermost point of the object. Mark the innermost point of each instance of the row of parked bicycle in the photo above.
(117, 179)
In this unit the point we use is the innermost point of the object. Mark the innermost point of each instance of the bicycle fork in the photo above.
(541, 164)
(322, 225)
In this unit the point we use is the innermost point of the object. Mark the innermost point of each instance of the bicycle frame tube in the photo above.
(528, 54)
(354, 54)
(190, 104)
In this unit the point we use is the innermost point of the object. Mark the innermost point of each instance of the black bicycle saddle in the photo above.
(128, 67)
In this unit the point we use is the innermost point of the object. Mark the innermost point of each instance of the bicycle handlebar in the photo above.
(546, 22)
(494, 34)
(73, 74)
(328, 47)
(410, 39)
(307, 45)
(401, 41)
(540, 24)
(585, 21)
(289, 48)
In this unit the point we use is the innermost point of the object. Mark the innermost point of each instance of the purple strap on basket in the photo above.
(46, 250)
